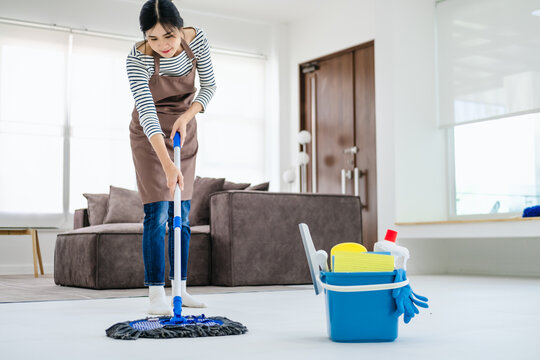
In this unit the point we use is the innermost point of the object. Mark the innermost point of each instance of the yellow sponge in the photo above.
(348, 247)
(361, 262)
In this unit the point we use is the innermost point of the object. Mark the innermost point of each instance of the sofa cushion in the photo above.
(80, 218)
(260, 187)
(109, 256)
(127, 228)
(256, 240)
(227, 185)
(203, 187)
(125, 206)
(97, 207)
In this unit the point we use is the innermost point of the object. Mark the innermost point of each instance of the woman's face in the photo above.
(165, 43)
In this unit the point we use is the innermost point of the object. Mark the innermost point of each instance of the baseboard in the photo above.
(474, 256)
(24, 269)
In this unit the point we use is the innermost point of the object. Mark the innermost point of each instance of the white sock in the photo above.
(158, 301)
(187, 299)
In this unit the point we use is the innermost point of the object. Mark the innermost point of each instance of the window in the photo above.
(100, 111)
(231, 131)
(489, 99)
(32, 118)
(497, 165)
(65, 109)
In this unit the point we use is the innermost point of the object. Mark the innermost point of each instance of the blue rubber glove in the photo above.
(406, 300)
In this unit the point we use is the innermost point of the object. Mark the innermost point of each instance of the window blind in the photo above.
(488, 59)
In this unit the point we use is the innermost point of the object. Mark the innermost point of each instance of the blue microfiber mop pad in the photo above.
(532, 211)
(406, 299)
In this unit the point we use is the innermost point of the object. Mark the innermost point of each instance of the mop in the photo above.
(177, 325)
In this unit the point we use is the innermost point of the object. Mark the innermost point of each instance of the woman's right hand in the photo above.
(174, 176)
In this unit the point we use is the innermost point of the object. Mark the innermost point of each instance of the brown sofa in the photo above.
(252, 239)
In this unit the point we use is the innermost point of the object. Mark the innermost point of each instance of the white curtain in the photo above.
(32, 118)
(488, 59)
(100, 112)
(232, 139)
(65, 109)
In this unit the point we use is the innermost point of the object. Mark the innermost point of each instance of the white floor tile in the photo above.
(469, 318)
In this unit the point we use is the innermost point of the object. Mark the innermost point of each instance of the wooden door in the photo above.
(366, 158)
(338, 109)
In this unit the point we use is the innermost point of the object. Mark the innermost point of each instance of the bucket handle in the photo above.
(355, 288)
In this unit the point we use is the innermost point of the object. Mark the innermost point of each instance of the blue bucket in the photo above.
(356, 310)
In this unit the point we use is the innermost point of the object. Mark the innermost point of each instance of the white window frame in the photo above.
(450, 146)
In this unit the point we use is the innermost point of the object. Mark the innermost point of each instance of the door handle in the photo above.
(357, 175)
(343, 182)
(345, 175)
(313, 135)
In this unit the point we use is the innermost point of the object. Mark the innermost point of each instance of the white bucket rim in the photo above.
(359, 288)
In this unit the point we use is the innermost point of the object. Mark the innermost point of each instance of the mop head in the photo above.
(168, 327)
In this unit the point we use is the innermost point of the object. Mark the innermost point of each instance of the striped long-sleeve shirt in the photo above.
(140, 68)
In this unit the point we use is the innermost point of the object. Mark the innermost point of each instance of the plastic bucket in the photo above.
(360, 306)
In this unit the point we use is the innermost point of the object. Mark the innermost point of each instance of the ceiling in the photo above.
(257, 10)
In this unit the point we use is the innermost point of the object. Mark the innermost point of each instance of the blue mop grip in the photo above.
(177, 139)
(177, 307)
(177, 222)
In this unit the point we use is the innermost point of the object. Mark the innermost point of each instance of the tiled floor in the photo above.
(469, 318)
(23, 288)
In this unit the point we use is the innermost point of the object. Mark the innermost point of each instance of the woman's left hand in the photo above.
(180, 125)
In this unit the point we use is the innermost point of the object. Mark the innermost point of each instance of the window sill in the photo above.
(507, 228)
(467, 221)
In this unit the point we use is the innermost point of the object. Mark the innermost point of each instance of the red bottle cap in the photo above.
(391, 235)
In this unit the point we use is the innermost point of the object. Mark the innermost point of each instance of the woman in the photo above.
(161, 73)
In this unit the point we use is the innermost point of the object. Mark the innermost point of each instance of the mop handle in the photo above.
(177, 222)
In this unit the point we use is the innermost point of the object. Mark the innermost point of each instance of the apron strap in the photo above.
(156, 63)
(187, 49)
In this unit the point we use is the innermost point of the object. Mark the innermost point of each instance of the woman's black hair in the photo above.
(160, 11)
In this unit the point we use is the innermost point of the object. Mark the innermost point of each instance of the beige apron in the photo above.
(172, 96)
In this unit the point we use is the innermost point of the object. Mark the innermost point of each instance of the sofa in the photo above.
(251, 238)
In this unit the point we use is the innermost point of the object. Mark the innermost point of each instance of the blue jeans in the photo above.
(156, 215)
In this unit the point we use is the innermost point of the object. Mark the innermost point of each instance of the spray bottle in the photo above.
(400, 253)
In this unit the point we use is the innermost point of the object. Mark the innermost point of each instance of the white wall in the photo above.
(420, 147)
(16, 253)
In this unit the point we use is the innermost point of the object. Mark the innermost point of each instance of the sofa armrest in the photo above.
(256, 239)
(80, 219)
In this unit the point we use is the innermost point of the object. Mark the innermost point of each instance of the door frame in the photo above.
(302, 100)
(305, 113)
